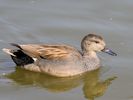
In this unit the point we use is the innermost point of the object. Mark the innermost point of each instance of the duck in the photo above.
(60, 60)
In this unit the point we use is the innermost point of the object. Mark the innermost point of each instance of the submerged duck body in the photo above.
(60, 60)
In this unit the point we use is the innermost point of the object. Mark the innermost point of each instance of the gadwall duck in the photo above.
(60, 60)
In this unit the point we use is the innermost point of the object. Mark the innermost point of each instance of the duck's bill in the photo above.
(110, 52)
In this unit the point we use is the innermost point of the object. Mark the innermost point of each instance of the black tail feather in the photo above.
(21, 58)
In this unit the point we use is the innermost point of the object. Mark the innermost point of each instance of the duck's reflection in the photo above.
(92, 87)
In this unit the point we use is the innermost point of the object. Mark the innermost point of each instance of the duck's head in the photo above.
(95, 43)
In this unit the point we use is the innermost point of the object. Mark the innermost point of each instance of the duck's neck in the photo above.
(91, 54)
(90, 60)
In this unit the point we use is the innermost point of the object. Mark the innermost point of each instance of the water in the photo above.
(67, 21)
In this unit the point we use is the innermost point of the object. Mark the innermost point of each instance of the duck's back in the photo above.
(51, 52)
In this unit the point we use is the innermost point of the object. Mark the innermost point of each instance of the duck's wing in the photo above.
(49, 52)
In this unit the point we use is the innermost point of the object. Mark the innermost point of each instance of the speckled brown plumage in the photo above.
(60, 60)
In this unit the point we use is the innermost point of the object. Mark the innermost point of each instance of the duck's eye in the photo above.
(96, 41)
